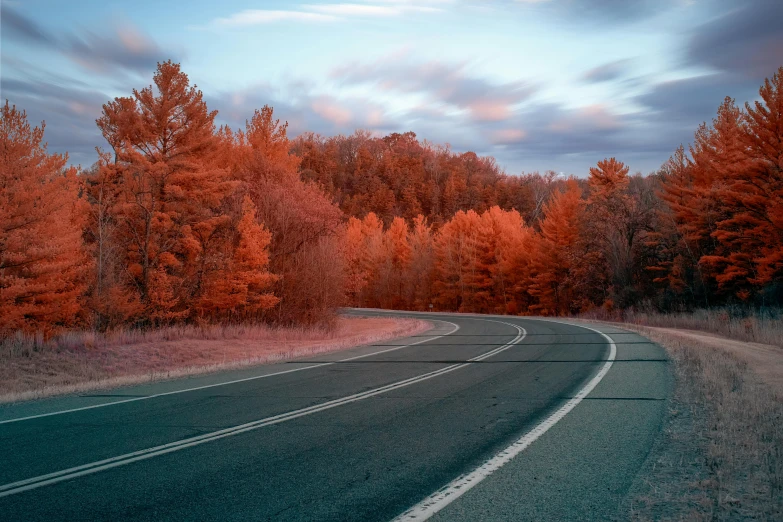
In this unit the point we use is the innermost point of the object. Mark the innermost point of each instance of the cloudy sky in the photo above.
(539, 84)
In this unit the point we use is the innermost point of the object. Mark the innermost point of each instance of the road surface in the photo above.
(481, 418)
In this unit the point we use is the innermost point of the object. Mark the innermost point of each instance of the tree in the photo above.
(759, 192)
(304, 223)
(718, 156)
(679, 236)
(620, 209)
(353, 254)
(455, 263)
(420, 239)
(111, 301)
(170, 190)
(43, 262)
(398, 258)
(240, 289)
(513, 244)
(558, 256)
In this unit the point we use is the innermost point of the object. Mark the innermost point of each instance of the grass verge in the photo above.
(758, 326)
(31, 368)
(721, 455)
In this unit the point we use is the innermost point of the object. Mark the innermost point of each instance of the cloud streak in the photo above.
(15, 26)
(125, 48)
(69, 111)
(442, 83)
(607, 72)
(329, 12)
(250, 17)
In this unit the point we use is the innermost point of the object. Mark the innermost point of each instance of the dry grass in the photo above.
(722, 458)
(765, 327)
(77, 361)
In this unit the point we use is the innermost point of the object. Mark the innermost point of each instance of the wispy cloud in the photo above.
(261, 16)
(330, 12)
(607, 72)
(69, 109)
(442, 83)
(370, 9)
(746, 40)
(15, 25)
(305, 108)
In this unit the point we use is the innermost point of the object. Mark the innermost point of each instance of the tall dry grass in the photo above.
(22, 344)
(736, 437)
(763, 326)
(33, 367)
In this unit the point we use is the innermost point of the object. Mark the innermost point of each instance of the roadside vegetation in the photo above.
(763, 325)
(34, 367)
(720, 456)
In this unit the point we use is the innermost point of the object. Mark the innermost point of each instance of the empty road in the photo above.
(481, 418)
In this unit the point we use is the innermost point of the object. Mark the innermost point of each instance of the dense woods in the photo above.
(180, 220)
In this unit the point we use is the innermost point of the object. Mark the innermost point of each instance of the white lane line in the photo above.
(462, 484)
(156, 395)
(128, 458)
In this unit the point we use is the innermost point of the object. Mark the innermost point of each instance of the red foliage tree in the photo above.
(170, 192)
(305, 225)
(555, 282)
(43, 262)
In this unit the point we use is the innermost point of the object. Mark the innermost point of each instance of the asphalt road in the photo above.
(367, 434)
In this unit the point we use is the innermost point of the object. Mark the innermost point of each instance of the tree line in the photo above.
(429, 226)
(181, 220)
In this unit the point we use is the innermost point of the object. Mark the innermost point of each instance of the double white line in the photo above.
(101, 465)
(225, 383)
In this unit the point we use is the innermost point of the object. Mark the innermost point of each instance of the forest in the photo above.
(184, 221)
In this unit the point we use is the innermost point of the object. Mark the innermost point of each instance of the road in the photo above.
(481, 418)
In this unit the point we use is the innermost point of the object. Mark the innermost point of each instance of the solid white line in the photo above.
(156, 395)
(121, 460)
(462, 484)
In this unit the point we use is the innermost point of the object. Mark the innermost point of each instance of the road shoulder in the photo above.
(584, 466)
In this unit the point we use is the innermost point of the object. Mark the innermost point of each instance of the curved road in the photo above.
(481, 418)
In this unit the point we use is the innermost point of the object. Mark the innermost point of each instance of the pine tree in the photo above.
(43, 262)
(760, 190)
(169, 191)
(557, 255)
(420, 238)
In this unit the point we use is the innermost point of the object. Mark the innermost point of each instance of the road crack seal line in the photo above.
(128, 458)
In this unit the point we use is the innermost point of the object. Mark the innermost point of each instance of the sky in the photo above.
(537, 84)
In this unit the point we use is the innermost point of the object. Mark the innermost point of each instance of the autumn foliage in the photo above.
(43, 261)
(181, 220)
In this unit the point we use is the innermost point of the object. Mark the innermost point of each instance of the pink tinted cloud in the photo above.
(490, 110)
(331, 111)
(455, 85)
(595, 116)
(504, 136)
